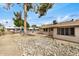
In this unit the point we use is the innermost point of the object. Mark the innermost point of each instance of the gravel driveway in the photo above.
(36, 45)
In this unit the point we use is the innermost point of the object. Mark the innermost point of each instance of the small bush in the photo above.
(1, 32)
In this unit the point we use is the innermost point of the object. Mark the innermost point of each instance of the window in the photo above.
(51, 29)
(66, 31)
(58, 31)
(72, 31)
(46, 29)
(62, 31)
(43, 29)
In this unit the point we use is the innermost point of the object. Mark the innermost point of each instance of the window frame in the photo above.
(69, 31)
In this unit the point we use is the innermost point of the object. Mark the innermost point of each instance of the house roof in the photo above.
(63, 24)
(33, 28)
(13, 28)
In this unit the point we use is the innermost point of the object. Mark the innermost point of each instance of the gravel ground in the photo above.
(40, 45)
(36, 45)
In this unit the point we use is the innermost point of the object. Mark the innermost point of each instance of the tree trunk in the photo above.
(25, 15)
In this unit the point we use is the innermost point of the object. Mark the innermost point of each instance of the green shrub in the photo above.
(1, 30)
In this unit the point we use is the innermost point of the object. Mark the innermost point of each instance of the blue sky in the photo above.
(60, 12)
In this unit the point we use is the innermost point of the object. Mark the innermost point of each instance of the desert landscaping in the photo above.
(36, 45)
(39, 29)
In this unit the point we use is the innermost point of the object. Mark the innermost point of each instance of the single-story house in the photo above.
(13, 29)
(33, 29)
(68, 30)
(18, 29)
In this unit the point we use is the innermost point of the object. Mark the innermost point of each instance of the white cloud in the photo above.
(47, 22)
(29, 18)
(65, 18)
(7, 23)
(59, 19)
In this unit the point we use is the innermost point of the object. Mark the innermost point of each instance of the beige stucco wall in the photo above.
(69, 38)
(46, 33)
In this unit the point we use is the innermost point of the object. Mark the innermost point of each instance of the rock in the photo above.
(44, 46)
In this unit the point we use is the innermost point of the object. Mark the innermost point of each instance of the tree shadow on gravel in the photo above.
(28, 34)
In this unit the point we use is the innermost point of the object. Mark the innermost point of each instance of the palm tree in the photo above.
(40, 8)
